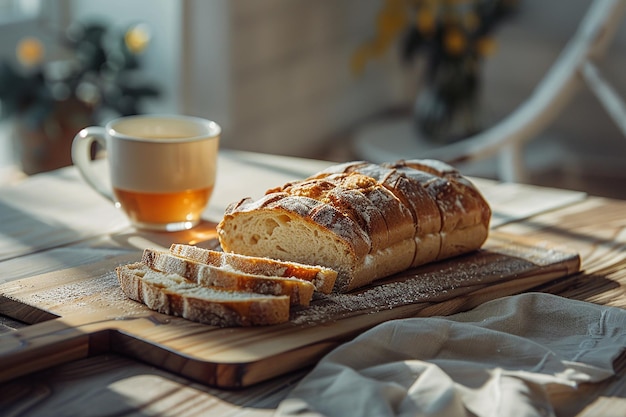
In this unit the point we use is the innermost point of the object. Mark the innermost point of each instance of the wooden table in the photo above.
(54, 221)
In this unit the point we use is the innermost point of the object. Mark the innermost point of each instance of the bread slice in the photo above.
(174, 295)
(321, 277)
(299, 291)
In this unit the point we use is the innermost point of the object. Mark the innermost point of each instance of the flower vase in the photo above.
(448, 108)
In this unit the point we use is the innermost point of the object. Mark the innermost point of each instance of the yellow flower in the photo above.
(391, 20)
(454, 41)
(30, 51)
(425, 20)
(137, 38)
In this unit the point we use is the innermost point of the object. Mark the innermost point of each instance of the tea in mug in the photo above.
(167, 208)
(162, 168)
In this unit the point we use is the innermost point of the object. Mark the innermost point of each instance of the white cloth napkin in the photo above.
(503, 358)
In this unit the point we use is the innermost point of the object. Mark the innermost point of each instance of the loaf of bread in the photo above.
(299, 291)
(321, 277)
(172, 294)
(364, 220)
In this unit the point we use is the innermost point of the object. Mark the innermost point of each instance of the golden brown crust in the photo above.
(361, 199)
(426, 217)
(473, 200)
(465, 214)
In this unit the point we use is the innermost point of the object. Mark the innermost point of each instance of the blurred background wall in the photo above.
(276, 74)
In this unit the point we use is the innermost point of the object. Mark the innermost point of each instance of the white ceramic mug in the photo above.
(162, 167)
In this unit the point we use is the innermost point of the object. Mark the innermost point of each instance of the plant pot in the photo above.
(448, 109)
(47, 145)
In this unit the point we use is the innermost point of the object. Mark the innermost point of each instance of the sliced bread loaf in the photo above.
(172, 294)
(430, 212)
(322, 278)
(299, 291)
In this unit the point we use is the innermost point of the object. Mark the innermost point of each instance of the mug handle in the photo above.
(81, 157)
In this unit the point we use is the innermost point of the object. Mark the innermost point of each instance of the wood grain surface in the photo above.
(81, 312)
(114, 384)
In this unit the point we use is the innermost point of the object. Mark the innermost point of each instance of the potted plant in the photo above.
(49, 101)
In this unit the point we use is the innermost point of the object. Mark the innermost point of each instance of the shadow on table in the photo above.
(114, 385)
(23, 234)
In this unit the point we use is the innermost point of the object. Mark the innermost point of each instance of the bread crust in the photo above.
(465, 215)
(426, 217)
(171, 294)
(377, 211)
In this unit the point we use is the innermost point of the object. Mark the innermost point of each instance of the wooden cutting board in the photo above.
(81, 311)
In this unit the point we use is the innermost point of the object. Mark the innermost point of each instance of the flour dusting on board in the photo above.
(431, 284)
(88, 295)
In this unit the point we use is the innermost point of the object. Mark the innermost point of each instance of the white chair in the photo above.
(573, 67)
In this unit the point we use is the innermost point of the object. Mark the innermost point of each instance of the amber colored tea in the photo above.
(162, 168)
(163, 208)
